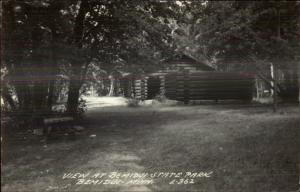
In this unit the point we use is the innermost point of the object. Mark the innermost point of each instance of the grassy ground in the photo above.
(247, 148)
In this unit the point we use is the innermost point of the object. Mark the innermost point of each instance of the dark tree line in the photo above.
(247, 36)
(43, 40)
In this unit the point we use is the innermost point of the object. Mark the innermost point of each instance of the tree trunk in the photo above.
(298, 75)
(23, 93)
(50, 94)
(73, 96)
(275, 67)
(112, 87)
(53, 73)
(54, 67)
(38, 56)
(13, 57)
(75, 80)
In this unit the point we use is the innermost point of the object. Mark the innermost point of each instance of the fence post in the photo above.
(186, 91)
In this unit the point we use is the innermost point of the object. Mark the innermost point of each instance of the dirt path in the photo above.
(243, 148)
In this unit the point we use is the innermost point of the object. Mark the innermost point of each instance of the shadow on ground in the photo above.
(247, 149)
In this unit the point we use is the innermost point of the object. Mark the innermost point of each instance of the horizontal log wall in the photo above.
(185, 86)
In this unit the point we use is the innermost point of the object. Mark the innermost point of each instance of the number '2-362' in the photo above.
(182, 181)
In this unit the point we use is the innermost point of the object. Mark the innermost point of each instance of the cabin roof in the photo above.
(185, 59)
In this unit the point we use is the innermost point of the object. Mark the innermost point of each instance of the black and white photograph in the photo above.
(150, 96)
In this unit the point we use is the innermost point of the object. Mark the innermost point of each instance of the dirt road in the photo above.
(239, 148)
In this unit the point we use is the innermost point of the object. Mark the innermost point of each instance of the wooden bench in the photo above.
(58, 124)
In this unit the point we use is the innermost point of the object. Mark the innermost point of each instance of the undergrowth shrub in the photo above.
(132, 103)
